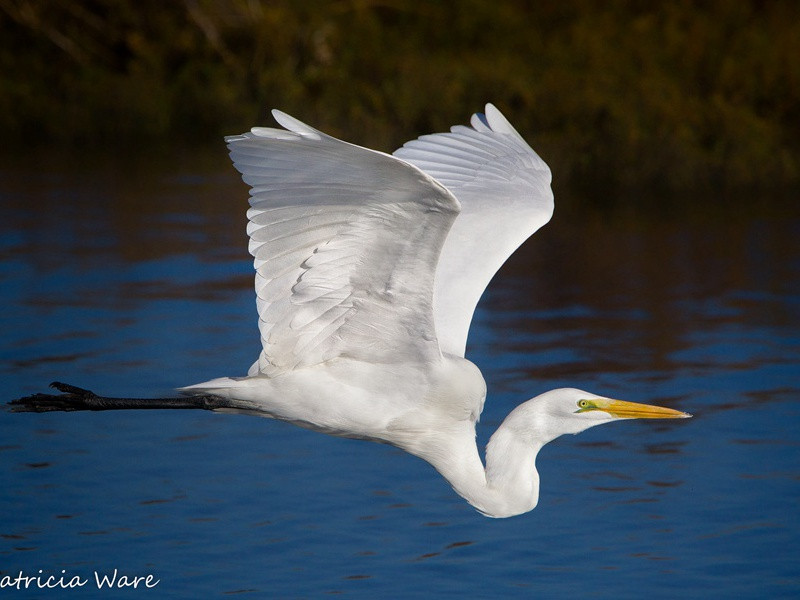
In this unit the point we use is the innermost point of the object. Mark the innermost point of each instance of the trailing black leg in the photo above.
(75, 398)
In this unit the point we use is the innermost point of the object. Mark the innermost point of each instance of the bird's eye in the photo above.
(583, 403)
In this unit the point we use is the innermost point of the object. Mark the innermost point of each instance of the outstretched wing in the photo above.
(346, 242)
(504, 190)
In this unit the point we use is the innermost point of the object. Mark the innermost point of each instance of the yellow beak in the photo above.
(631, 410)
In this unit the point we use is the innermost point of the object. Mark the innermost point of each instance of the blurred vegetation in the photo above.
(616, 95)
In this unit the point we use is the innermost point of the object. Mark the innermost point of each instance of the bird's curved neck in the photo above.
(508, 485)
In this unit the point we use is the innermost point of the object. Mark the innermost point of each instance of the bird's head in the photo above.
(511, 451)
(568, 410)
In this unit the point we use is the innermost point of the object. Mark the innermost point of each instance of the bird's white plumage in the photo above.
(368, 270)
(347, 240)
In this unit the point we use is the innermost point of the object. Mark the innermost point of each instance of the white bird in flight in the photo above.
(368, 270)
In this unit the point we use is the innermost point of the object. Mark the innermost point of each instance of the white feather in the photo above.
(504, 191)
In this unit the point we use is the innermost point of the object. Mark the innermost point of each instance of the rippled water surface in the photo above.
(131, 277)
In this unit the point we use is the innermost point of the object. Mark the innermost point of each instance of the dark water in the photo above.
(130, 276)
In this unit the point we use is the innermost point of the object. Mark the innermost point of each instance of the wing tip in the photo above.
(295, 125)
(293, 129)
(497, 121)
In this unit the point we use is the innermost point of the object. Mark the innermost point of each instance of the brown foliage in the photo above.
(621, 94)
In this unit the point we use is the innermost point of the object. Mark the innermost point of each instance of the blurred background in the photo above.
(691, 97)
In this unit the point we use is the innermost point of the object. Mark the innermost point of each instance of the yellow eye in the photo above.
(584, 405)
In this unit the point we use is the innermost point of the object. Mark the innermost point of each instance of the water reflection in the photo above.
(649, 298)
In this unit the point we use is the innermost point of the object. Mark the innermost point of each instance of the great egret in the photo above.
(368, 270)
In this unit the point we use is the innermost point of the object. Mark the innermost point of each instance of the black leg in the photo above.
(75, 398)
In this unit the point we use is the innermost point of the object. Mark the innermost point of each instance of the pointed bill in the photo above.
(631, 410)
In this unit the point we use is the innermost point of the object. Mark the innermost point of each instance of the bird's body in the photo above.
(368, 270)
(352, 398)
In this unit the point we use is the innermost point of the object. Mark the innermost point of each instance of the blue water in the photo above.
(130, 276)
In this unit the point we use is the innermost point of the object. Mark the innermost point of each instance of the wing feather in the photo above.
(345, 243)
(503, 187)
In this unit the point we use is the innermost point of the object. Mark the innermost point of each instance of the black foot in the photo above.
(71, 389)
(71, 398)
